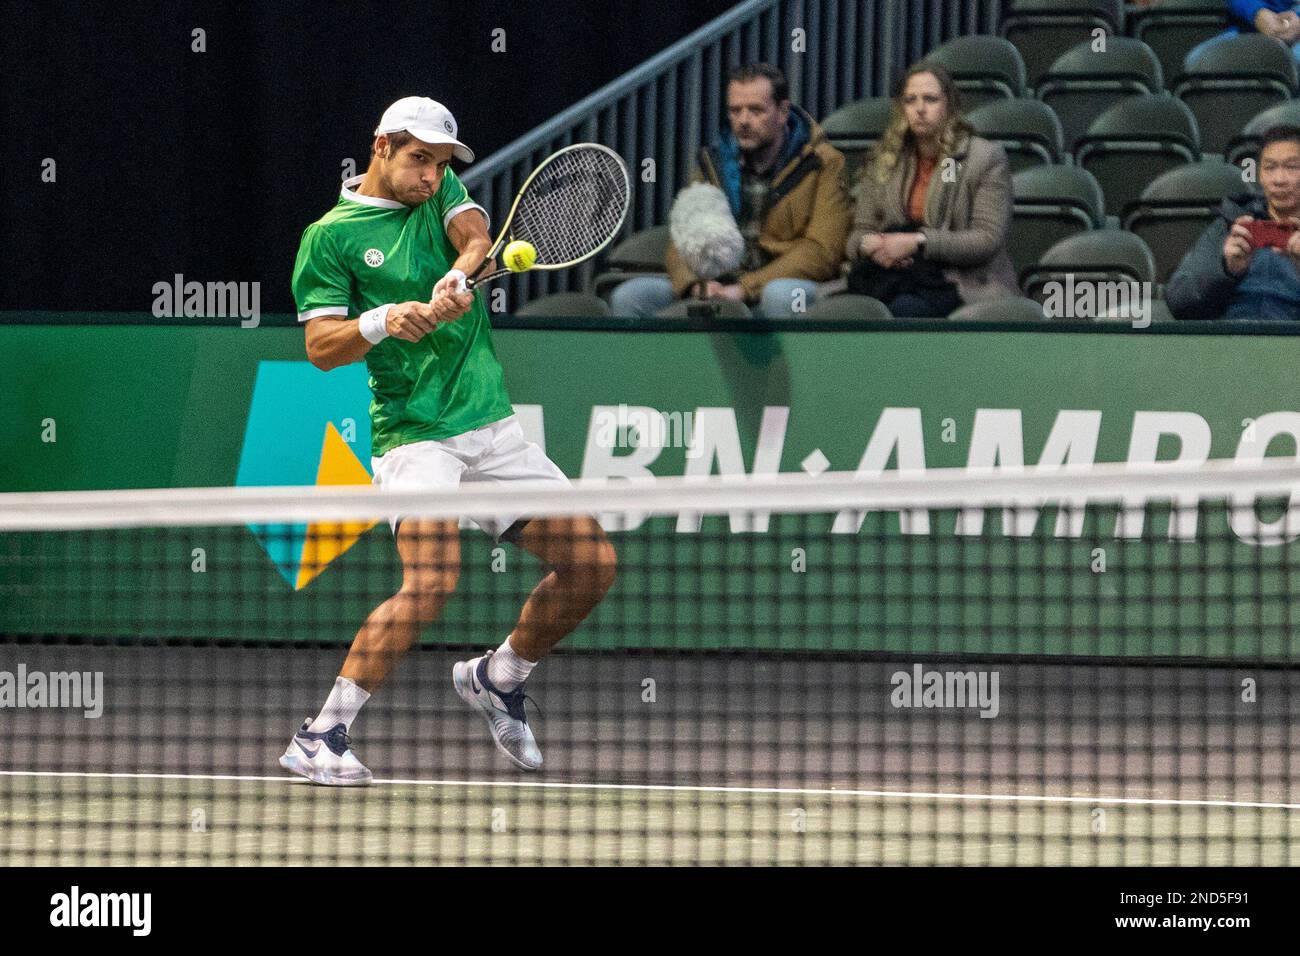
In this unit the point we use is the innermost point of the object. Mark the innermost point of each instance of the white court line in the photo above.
(673, 788)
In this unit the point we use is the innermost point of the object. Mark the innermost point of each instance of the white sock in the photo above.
(342, 706)
(506, 669)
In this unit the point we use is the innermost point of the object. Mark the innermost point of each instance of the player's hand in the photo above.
(448, 305)
(411, 321)
(1236, 248)
(451, 282)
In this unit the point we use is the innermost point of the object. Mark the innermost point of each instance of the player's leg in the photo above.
(580, 570)
(582, 565)
(430, 552)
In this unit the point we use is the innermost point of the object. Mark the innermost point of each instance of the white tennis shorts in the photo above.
(498, 452)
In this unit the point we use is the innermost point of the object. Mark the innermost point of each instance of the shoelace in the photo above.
(536, 706)
(523, 707)
(509, 698)
(339, 738)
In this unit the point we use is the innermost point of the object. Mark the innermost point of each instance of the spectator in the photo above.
(933, 206)
(784, 183)
(1226, 274)
(1274, 18)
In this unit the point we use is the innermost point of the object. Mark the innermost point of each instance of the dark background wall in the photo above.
(210, 164)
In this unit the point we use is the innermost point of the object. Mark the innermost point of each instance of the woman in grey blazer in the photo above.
(933, 206)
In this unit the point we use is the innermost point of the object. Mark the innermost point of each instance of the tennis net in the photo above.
(1081, 667)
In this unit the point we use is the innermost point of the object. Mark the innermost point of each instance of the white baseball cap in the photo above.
(426, 120)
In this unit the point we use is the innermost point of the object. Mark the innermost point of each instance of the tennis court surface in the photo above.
(923, 698)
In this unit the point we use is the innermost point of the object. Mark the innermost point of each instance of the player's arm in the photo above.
(468, 232)
(322, 287)
(333, 341)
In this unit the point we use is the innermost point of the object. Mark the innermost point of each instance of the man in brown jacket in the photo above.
(785, 184)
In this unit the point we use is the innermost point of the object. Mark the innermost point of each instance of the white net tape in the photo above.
(1238, 484)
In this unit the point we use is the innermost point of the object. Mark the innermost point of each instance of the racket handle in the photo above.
(467, 283)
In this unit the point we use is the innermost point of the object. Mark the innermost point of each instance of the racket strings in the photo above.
(574, 204)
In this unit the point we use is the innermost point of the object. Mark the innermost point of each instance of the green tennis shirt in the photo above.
(368, 251)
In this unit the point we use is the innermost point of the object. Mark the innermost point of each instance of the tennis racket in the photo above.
(570, 208)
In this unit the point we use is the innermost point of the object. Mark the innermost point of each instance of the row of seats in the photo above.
(1091, 254)
(1096, 139)
(1140, 180)
(1236, 78)
(839, 308)
(1169, 213)
(1045, 29)
(1130, 145)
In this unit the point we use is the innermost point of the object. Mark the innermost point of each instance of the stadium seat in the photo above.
(566, 304)
(1135, 141)
(1027, 129)
(1100, 255)
(862, 119)
(1160, 312)
(1236, 78)
(641, 253)
(848, 306)
(1172, 28)
(1174, 210)
(1050, 203)
(1083, 83)
(1011, 309)
(727, 309)
(1246, 142)
(1044, 29)
(854, 129)
(984, 68)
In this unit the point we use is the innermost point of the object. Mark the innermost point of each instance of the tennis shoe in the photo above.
(504, 711)
(325, 757)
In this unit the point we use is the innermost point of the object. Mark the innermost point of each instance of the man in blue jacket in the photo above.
(785, 184)
(1228, 273)
(1274, 18)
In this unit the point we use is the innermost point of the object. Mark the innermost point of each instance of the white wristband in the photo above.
(374, 324)
(460, 280)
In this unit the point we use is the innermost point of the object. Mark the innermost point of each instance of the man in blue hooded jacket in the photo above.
(785, 184)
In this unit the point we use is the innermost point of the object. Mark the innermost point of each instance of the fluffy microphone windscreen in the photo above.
(705, 232)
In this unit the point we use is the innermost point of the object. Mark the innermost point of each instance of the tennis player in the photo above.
(440, 416)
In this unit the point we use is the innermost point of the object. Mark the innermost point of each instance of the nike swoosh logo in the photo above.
(474, 683)
(303, 748)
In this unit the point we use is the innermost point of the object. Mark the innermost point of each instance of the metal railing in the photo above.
(658, 115)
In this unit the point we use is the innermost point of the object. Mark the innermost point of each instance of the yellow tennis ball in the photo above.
(520, 255)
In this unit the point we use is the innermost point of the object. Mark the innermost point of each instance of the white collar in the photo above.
(348, 192)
